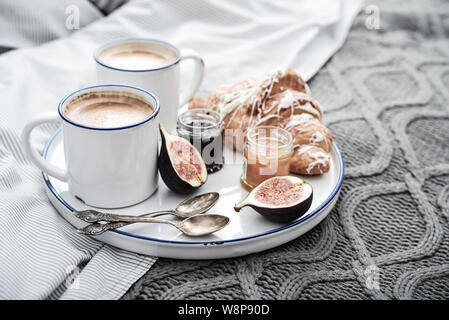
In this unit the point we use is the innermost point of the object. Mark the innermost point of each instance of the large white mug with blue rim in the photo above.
(110, 138)
(153, 65)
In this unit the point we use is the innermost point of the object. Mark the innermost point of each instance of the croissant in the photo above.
(280, 99)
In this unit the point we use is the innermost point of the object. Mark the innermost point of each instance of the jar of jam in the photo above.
(267, 153)
(204, 129)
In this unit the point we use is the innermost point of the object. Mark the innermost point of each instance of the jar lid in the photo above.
(199, 120)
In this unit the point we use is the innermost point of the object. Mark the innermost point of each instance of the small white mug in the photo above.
(163, 81)
(105, 167)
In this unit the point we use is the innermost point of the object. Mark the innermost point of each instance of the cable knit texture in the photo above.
(386, 96)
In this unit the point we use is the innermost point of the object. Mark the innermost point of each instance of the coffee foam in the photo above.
(108, 109)
(137, 56)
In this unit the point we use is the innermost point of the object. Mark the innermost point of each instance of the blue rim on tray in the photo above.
(288, 226)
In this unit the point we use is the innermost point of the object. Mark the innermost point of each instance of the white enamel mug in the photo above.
(105, 167)
(163, 81)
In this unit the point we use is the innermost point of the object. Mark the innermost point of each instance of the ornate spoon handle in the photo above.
(97, 228)
(97, 216)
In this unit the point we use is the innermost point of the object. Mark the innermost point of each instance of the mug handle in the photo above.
(198, 75)
(41, 163)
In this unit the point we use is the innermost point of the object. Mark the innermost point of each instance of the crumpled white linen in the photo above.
(236, 39)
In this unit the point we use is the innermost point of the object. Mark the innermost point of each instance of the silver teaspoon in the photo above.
(195, 226)
(189, 207)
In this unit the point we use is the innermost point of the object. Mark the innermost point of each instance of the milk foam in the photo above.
(108, 111)
(137, 56)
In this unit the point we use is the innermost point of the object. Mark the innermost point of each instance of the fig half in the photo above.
(180, 164)
(279, 199)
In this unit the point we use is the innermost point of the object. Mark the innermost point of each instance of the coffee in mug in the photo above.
(153, 65)
(108, 109)
(110, 137)
(137, 56)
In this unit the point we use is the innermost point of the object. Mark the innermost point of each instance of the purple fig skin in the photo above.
(286, 214)
(279, 213)
(168, 173)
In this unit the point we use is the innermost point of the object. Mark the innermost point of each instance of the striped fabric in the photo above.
(21, 27)
(23, 24)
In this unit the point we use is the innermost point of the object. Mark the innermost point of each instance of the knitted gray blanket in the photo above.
(386, 97)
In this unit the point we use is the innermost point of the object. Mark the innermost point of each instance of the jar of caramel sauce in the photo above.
(268, 151)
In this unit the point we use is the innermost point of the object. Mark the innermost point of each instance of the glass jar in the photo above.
(204, 129)
(267, 153)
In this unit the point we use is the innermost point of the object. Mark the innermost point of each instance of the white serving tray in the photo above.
(248, 232)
